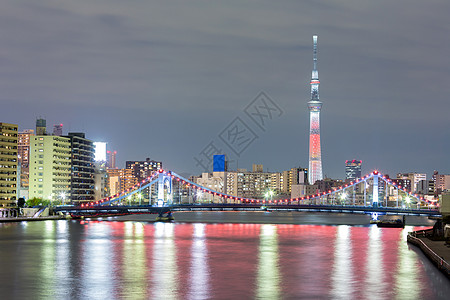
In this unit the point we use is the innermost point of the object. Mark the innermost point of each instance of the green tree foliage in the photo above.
(37, 201)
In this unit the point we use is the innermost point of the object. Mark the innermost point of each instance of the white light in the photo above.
(100, 151)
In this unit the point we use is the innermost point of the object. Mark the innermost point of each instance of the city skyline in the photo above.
(118, 73)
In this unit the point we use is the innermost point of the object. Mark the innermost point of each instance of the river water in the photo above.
(111, 259)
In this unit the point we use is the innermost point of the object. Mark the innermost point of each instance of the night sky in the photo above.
(170, 79)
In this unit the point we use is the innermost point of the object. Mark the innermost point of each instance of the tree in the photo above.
(37, 201)
(21, 202)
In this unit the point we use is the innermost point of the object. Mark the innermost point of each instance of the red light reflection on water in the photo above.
(245, 261)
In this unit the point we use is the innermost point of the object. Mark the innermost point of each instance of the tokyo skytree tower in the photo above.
(314, 105)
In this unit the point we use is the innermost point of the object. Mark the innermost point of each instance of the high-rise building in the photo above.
(216, 181)
(120, 180)
(294, 176)
(314, 105)
(257, 168)
(41, 127)
(82, 187)
(143, 169)
(101, 183)
(111, 159)
(50, 167)
(23, 145)
(23, 154)
(249, 184)
(58, 129)
(403, 183)
(425, 187)
(352, 169)
(442, 182)
(414, 177)
(8, 164)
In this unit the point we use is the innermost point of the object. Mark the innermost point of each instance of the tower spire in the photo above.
(314, 105)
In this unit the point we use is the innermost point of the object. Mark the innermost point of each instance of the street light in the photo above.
(63, 197)
(343, 197)
(199, 196)
(268, 194)
(408, 201)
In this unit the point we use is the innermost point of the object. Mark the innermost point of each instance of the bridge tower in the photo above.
(165, 195)
(314, 105)
(375, 189)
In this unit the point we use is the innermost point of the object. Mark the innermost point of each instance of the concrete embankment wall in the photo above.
(438, 261)
(30, 212)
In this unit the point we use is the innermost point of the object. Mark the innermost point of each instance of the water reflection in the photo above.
(407, 285)
(199, 285)
(47, 259)
(97, 261)
(375, 284)
(342, 276)
(164, 275)
(134, 263)
(268, 280)
(118, 260)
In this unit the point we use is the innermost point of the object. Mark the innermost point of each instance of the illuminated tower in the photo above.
(314, 105)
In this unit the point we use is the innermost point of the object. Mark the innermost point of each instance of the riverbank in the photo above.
(437, 251)
(31, 219)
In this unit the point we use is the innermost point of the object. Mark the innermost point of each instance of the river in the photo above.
(216, 256)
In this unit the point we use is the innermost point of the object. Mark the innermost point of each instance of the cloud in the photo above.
(190, 67)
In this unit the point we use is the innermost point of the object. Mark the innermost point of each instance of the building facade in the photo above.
(50, 168)
(8, 164)
(82, 187)
(442, 183)
(101, 185)
(352, 169)
(58, 129)
(111, 159)
(415, 178)
(41, 127)
(120, 180)
(143, 169)
(23, 155)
